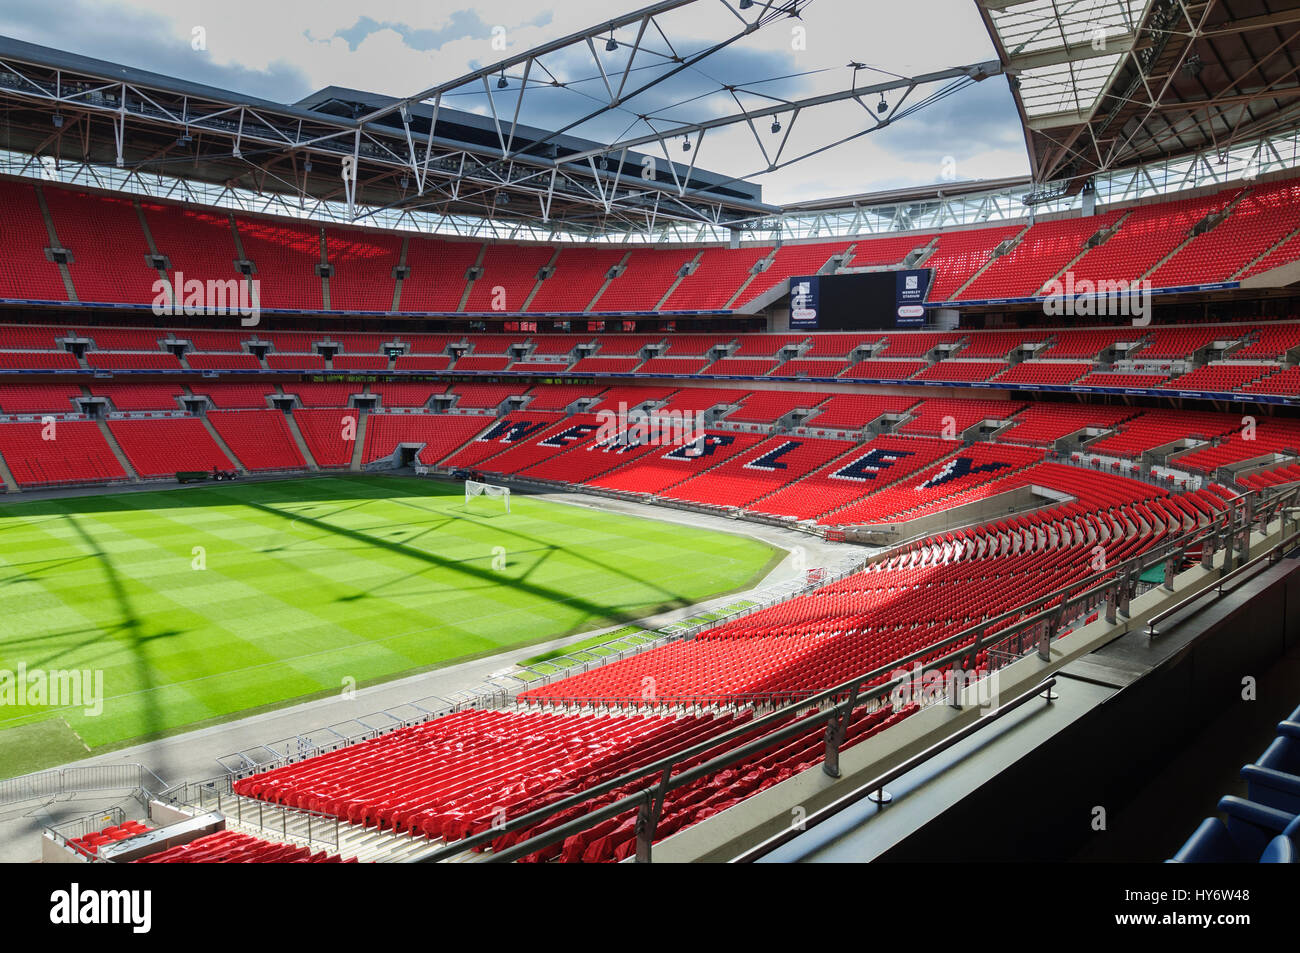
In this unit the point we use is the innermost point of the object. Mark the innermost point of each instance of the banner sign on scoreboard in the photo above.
(805, 295)
(805, 300)
(910, 291)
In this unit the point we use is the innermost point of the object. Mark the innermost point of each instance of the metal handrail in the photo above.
(1269, 555)
(877, 784)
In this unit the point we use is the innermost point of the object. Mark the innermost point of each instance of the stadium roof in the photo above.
(1101, 85)
(1104, 84)
(615, 160)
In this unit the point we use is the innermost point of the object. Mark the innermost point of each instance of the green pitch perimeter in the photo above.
(202, 603)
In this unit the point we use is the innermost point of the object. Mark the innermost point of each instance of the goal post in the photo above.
(474, 488)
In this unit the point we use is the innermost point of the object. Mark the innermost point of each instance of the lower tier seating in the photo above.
(69, 451)
(159, 448)
(259, 438)
(233, 847)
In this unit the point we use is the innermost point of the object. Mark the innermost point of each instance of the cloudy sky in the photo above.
(284, 49)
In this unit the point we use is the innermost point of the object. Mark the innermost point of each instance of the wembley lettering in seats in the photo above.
(772, 459)
(867, 466)
(958, 467)
(620, 442)
(704, 446)
(512, 431)
(568, 436)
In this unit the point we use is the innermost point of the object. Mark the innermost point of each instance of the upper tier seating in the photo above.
(286, 256)
(887, 250)
(197, 243)
(649, 274)
(509, 277)
(958, 255)
(1259, 221)
(789, 261)
(363, 263)
(107, 243)
(437, 280)
(1043, 252)
(713, 284)
(25, 272)
(579, 275)
(109, 249)
(1146, 235)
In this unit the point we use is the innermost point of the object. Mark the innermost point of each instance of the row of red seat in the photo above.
(234, 847)
(825, 354)
(89, 844)
(107, 235)
(870, 619)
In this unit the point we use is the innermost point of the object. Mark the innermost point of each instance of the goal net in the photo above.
(473, 488)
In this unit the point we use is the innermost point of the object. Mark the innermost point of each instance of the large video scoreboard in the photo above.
(875, 300)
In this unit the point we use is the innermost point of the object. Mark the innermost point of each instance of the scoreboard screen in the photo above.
(873, 300)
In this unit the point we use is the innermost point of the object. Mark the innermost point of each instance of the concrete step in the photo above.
(117, 451)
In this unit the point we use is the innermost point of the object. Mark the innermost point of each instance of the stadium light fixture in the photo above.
(57, 119)
(306, 166)
(882, 107)
(686, 143)
(612, 44)
(746, 4)
(502, 83)
(776, 126)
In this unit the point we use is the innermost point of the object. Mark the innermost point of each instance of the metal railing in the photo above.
(318, 741)
(875, 788)
(67, 831)
(60, 782)
(1226, 581)
(216, 794)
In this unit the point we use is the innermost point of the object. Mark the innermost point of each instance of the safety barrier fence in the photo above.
(79, 779)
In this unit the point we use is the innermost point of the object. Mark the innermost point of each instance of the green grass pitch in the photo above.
(309, 582)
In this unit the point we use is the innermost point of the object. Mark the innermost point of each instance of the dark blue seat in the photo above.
(1251, 833)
